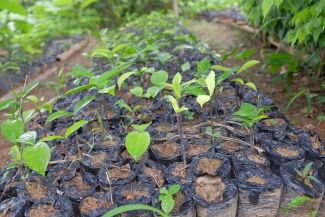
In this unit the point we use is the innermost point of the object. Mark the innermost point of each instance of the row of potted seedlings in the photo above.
(231, 151)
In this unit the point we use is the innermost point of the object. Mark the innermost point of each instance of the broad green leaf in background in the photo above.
(159, 77)
(37, 157)
(186, 66)
(247, 65)
(12, 129)
(123, 77)
(201, 99)
(266, 6)
(220, 68)
(137, 91)
(13, 6)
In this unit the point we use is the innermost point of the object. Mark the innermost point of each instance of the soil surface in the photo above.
(180, 171)
(43, 210)
(223, 38)
(210, 188)
(98, 159)
(256, 179)
(90, 203)
(179, 200)
(231, 146)
(157, 175)
(132, 194)
(168, 149)
(208, 165)
(36, 190)
(286, 152)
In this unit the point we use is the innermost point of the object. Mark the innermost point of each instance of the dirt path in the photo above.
(224, 38)
(46, 89)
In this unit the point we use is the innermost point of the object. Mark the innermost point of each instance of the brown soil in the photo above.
(98, 159)
(78, 183)
(109, 143)
(180, 171)
(317, 144)
(120, 172)
(210, 188)
(196, 118)
(208, 165)
(132, 194)
(293, 136)
(36, 190)
(226, 93)
(195, 149)
(257, 159)
(162, 127)
(92, 203)
(61, 132)
(94, 127)
(179, 200)
(167, 149)
(157, 175)
(190, 128)
(43, 210)
(286, 152)
(279, 122)
(7, 214)
(231, 146)
(243, 130)
(256, 179)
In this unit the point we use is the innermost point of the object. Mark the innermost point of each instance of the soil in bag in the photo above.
(166, 152)
(294, 186)
(14, 207)
(259, 193)
(215, 196)
(177, 173)
(152, 172)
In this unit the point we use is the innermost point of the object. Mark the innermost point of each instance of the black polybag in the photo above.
(224, 169)
(256, 199)
(143, 177)
(172, 177)
(16, 205)
(311, 153)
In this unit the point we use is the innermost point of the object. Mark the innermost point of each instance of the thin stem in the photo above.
(251, 151)
(164, 106)
(236, 96)
(243, 93)
(105, 110)
(21, 103)
(180, 132)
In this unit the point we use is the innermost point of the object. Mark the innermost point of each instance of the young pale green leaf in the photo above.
(12, 129)
(136, 108)
(154, 90)
(260, 117)
(78, 89)
(238, 80)
(74, 127)
(173, 102)
(194, 90)
(110, 74)
(177, 85)
(211, 83)
(110, 90)
(306, 169)
(185, 84)
(28, 138)
(159, 77)
(82, 103)
(225, 75)
(163, 190)
(245, 54)
(13, 7)
(120, 47)
(28, 89)
(15, 150)
(167, 204)
(57, 115)
(261, 110)
(186, 66)
(131, 207)
(296, 202)
(174, 188)
(163, 57)
(122, 104)
(313, 178)
(137, 91)
(251, 85)
(247, 65)
(266, 6)
(208, 130)
(50, 138)
(5, 104)
(201, 99)
(137, 143)
(299, 173)
(80, 74)
(48, 107)
(37, 157)
(123, 77)
(33, 98)
(141, 127)
(29, 114)
(86, 3)
(179, 110)
(220, 68)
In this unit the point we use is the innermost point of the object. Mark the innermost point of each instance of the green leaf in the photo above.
(110, 90)
(163, 190)
(163, 57)
(16, 152)
(86, 3)
(177, 85)
(159, 77)
(110, 74)
(141, 127)
(194, 90)
(50, 138)
(28, 137)
(211, 83)
(167, 204)
(37, 157)
(245, 54)
(179, 110)
(251, 85)
(249, 63)
(13, 6)
(80, 74)
(173, 102)
(220, 68)
(278, 2)
(238, 80)
(261, 110)
(208, 130)
(47, 107)
(5, 104)
(306, 169)
(74, 128)
(137, 91)
(57, 115)
(33, 98)
(266, 6)
(127, 208)
(78, 89)
(186, 66)
(123, 77)
(295, 97)
(296, 202)
(201, 99)
(154, 90)
(82, 103)
(137, 143)
(120, 47)
(29, 114)
(28, 89)
(12, 129)
(174, 188)
(225, 75)
(313, 178)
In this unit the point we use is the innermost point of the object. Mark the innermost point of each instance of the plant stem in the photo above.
(164, 105)
(105, 110)
(180, 132)
(243, 93)
(251, 150)
(236, 96)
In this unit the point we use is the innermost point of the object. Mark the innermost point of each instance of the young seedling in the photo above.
(166, 197)
(188, 115)
(249, 115)
(304, 175)
(298, 200)
(133, 111)
(137, 142)
(40, 108)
